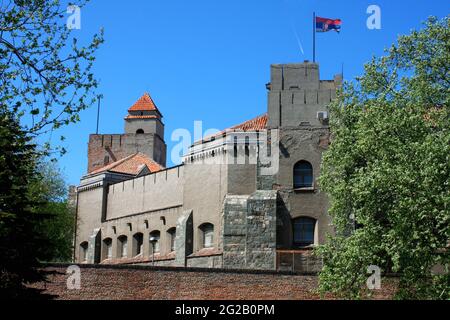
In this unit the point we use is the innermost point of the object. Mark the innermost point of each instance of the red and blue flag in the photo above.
(325, 24)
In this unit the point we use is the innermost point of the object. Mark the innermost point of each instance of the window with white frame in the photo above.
(207, 235)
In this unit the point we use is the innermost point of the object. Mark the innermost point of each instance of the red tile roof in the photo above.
(255, 124)
(258, 123)
(132, 165)
(145, 103)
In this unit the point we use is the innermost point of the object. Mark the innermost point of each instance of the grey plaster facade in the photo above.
(256, 216)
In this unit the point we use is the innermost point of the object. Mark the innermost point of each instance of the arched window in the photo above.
(138, 242)
(303, 175)
(155, 237)
(172, 232)
(83, 251)
(122, 246)
(139, 131)
(207, 235)
(107, 248)
(304, 229)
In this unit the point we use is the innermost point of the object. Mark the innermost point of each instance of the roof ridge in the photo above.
(257, 126)
(132, 164)
(113, 164)
(247, 121)
(144, 103)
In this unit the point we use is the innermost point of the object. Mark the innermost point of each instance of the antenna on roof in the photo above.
(99, 97)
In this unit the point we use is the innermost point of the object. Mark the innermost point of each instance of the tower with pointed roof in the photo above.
(144, 133)
(144, 117)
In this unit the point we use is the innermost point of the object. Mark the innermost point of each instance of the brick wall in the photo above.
(101, 146)
(119, 146)
(125, 282)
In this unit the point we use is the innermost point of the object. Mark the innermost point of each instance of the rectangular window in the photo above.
(304, 231)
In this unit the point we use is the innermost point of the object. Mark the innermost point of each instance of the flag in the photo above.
(325, 24)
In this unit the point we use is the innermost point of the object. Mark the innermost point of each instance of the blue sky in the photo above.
(209, 60)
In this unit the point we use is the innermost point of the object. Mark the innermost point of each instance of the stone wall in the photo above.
(249, 231)
(234, 231)
(205, 262)
(156, 191)
(146, 283)
(261, 230)
(296, 94)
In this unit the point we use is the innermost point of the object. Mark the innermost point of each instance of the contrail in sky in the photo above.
(298, 38)
(285, 4)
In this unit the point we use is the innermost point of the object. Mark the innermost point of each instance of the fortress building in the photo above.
(245, 198)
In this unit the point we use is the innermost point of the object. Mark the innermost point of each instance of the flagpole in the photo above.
(314, 36)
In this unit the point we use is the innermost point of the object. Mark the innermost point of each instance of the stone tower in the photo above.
(260, 229)
(144, 132)
(297, 96)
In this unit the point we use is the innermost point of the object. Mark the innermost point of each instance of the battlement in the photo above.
(152, 192)
(296, 95)
(294, 76)
(107, 148)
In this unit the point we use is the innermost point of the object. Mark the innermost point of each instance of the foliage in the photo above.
(45, 76)
(49, 196)
(19, 239)
(45, 81)
(387, 171)
(36, 221)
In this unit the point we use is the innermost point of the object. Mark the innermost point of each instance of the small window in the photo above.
(247, 147)
(207, 234)
(138, 242)
(304, 229)
(139, 131)
(172, 232)
(84, 251)
(303, 175)
(155, 236)
(107, 248)
(122, 247)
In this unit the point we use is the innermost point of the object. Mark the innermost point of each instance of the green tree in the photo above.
(46, 78)
(387, 171)
(36, 221)
(50, 198)
(19, 237)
